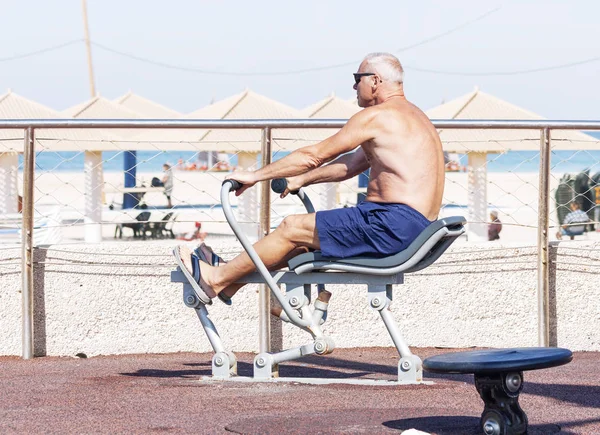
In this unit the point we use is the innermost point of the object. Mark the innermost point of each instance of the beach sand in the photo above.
(196, 198)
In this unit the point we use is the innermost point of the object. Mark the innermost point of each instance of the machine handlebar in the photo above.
(233, 185)
(280, 184)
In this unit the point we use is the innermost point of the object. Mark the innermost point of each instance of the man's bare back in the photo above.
(406, 158)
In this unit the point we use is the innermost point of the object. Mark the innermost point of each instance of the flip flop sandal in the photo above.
(188, 263)
(225, 299)
(204, 252)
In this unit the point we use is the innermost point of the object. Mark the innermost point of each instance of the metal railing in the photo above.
(267, 125)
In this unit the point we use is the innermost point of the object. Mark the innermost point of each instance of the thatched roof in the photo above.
(479, 105)
(14, 106)
(245, 105)
(331, 107)
(145, 107)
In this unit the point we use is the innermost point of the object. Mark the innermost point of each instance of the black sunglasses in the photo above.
(358, 76)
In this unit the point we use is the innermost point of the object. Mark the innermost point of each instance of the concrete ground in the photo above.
(163, 394)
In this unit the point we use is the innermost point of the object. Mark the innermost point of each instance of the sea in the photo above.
(151, 162)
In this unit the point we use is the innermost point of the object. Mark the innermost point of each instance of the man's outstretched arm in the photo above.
(344, 167)
(359, 129)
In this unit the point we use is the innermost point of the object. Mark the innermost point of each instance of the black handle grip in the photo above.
(235, 185)
(280, 184)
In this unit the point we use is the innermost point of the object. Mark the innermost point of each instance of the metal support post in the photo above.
(209, 327)
(27, 245)
(477, 197)
(543, 279)
(264, 302)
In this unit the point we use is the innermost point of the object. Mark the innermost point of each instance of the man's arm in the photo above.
(344, 167)
(356, 131)
(360, 128)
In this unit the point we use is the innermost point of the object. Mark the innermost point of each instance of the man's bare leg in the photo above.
(232, 289)
(294, 232)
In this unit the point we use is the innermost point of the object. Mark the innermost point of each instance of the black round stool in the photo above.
(499, 380)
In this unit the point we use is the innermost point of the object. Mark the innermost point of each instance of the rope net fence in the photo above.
(117, 179)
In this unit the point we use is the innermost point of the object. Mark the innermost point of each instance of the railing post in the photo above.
(27, 244)
(264, 303)
(477, 197)
(543, 269)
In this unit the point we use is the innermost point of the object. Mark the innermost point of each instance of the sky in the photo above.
(219, 48)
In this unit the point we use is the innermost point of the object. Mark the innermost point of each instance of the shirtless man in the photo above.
(392, 137)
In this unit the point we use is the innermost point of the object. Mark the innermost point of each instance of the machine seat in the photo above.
(422, 252)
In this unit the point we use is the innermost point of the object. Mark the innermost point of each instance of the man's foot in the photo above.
(190, 266)
(206, 254)
(209, 255)
(559, 235)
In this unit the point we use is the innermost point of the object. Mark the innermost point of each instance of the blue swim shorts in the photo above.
(369, 229)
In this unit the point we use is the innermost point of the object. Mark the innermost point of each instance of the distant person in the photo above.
(167, 182)
(202, 160)
(197, 234)
(576, 216)
(495, 227)
(191, 166)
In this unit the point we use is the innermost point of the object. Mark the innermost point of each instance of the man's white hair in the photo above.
(387, 66)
